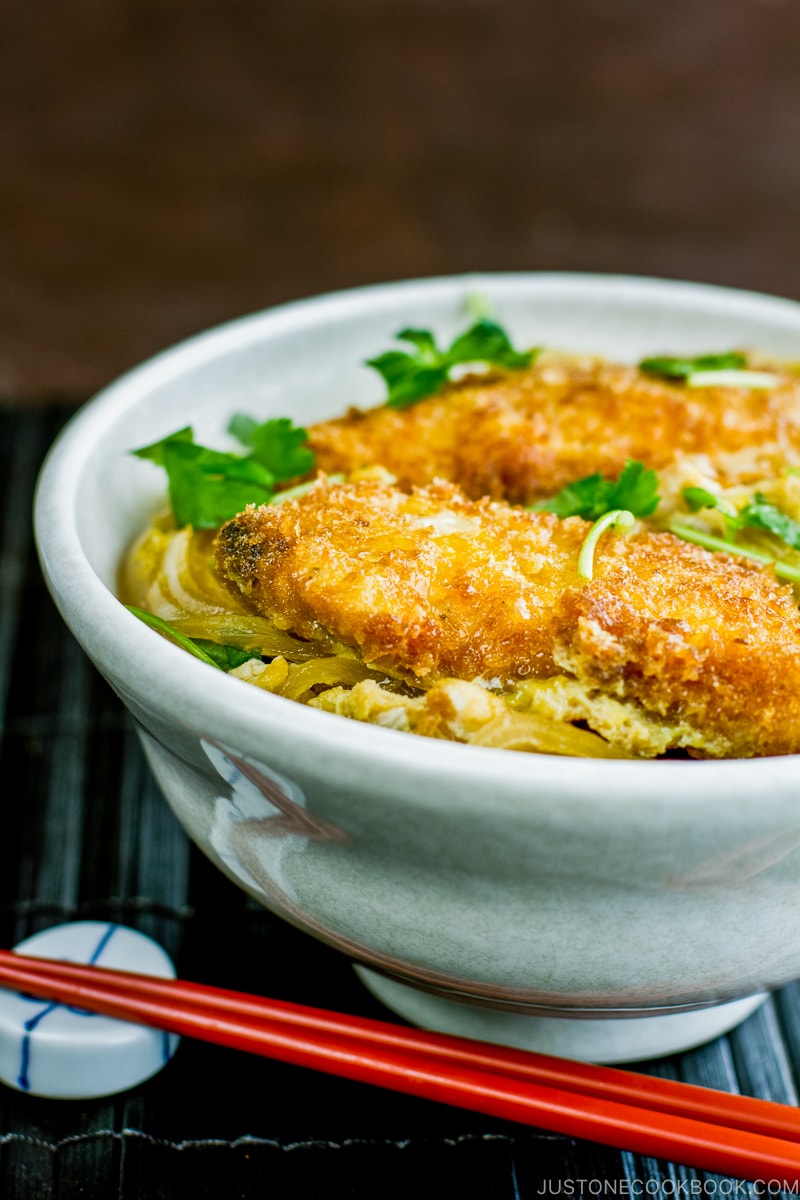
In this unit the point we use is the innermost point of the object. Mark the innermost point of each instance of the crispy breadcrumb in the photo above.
(431, 585)
(524, 435)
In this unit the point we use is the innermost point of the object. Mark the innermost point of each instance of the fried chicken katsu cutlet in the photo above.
(524, 435)
(702, 650)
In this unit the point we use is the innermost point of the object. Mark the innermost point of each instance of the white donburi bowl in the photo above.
(608, 910)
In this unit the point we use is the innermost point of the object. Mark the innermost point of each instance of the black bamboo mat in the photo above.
(85, 834)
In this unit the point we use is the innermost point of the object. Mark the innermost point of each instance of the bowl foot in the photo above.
(607, 1040)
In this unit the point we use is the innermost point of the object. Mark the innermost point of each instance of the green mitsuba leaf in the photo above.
(423, 339)
(169, 631)
(225, 657)
(487, 342)
(155, 451)
(278, 444)
(208, 487)
(758, 513)
(584, 498)
(243, 428)
(408, 379)
(212, 653)
(682, 368)
(635, 490)
(697, 498)
(423, 371)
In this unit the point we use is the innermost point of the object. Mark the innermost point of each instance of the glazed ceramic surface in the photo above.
(65, 1052)
(521, 883)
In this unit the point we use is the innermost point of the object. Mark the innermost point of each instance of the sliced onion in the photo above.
(246, 632)
(526, 731)
(173, 577)
(330, 671)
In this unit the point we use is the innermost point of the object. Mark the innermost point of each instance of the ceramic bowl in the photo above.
(608, 910)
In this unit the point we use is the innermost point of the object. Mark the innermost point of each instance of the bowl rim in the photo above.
(116, 640)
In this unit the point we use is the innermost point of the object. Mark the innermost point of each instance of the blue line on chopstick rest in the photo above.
(23, 1079)
(169, 1044)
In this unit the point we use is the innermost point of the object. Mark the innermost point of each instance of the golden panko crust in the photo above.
(524, 435)
(432, 585)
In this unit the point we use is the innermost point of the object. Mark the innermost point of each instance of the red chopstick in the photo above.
(701, 1127)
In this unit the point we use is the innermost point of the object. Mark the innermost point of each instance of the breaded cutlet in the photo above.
(523, 435)
(432, 585)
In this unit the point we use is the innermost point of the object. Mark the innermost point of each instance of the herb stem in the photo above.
(790, 574)
(709, 542)
(164, 627)
(732, 379)
(620, 520)
(477, 305)
(292, 493)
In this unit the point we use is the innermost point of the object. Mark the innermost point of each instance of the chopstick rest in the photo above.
(67, 1053)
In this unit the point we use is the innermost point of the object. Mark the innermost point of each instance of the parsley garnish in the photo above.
(208, 487)
(682, 368)
(412, 375)
(278, 444)
(635, 490)
(697, 498)
(758, 513)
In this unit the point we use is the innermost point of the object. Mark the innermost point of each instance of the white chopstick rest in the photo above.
(66, 1053)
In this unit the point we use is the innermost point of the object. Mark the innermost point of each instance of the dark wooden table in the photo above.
(169, 165)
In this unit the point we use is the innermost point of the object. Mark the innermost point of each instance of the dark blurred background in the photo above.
(166, 165)
(169, 164)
